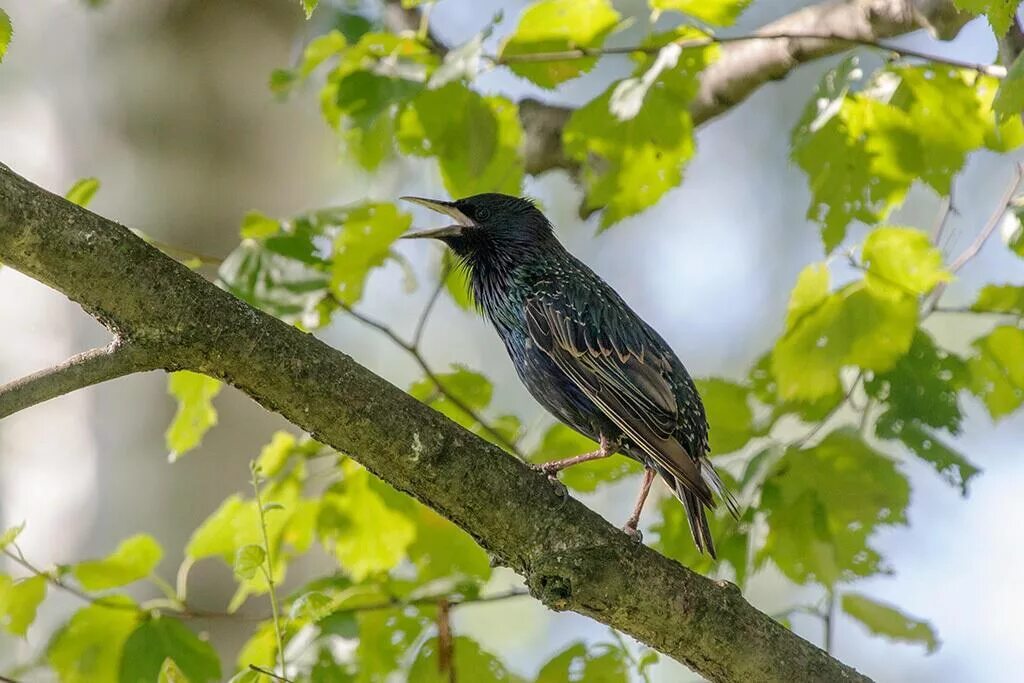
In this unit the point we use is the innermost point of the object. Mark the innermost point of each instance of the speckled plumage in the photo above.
(583, 353)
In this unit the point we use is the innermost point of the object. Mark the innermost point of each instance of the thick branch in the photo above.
(88, 368)
(572, 558)
(745, 66)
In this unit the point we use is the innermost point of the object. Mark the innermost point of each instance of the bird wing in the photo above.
(624, 375)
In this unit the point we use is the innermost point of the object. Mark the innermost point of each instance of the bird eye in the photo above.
(483, 214)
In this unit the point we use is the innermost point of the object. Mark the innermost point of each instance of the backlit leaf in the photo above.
(194, 393)
(6, 32)
(19, 601)
(363, 244)
(999, 12)
(902, 261)
(1000, 299)
(823, 504)
(385, 638)
(885, 620)
(1009, 99)
(954, 467)
(599, 664)
(248, 560)
(557, 26)
(729, 416)
(11, 535)
(308, 6)
(155, 641)
(719, 12)
(83, 191)
(88, 649)
(468, 657)
(996, 370)
(135, 558)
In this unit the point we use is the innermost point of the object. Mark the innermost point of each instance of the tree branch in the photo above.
(91, 367)
(572, 559)
(746, 65)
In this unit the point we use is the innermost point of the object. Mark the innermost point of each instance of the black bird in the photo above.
(582, 352)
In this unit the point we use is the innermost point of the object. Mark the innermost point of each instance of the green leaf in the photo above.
(923, 385)
(823, 503)
(633, 157)
(442, 550)
(6, 33)
(853, 326)
(811, 290)
(155, 641)
(473, 391)
(385, 639)
(135, 558)
(468, 657)
(1009, 99)
(996, 370)
(885, 620)
(275, 454)
(954, 467)
(308, 6)
(170, 672)
(248, 559)
(311, 606)
(902, 261)
(19, 601)
(561, 441)
(260, 649)
(999, 12)
(557, 26)
(83, 191)
(718, 12)
(88, 649)
(597, 664)
(196, 414)
(675, 540)
(475, 139)
(364, 243)
(369, 536)
(256, 226)
(11, 535)
(1000, 299)
(729, 415)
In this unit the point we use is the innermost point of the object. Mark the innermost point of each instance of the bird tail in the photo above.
(697, 515)
(712, 479)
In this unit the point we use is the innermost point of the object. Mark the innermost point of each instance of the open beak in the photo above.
(462, 221)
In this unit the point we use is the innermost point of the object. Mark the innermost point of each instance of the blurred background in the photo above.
(167, 103)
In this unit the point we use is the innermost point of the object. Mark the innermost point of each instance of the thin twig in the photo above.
(445, 642)
(117, 359)
(268, 567)
(268, 672)
(421, 324)
(20, 559)
(828, 621)
(585, 53)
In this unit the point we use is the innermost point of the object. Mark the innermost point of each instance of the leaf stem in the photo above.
(268, 568)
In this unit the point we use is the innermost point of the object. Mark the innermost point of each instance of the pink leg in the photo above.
(645, 488)
(550, 468)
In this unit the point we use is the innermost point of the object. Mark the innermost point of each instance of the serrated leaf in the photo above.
(468, 657)
(369, 536)
(157, 640)
(996, 370)
(902, 261)
(629, 164)
(1009, 99)
(6, 33)
(885, 620)
(729, 415)
(475, 139)
(11, 535)
(135, 558)
(557, 26)
(999, 12)
(578, 662)
(88, 648)
(196, 415)
(561, 441)
(248, 560)
(83, 191)
(718, 12)
(923, 385)
(822, 505)
(853, 326)
(19, 601)
(1000, 299)
(363, 244)
(953, 466)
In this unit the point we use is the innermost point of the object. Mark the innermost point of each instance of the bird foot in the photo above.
(552, 474)
(634, 533)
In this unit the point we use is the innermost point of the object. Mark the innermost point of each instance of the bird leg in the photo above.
(551, 468)
(634, 518)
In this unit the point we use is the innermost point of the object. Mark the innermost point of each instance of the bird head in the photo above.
(489, 227)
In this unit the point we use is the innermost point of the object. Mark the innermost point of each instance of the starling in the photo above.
(583, 353)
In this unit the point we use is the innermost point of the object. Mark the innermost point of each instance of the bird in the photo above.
(583, 353)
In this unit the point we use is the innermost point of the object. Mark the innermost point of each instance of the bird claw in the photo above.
(633, 533)
(552, 476)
